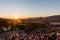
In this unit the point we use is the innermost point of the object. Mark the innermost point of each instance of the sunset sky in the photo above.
(29, 8)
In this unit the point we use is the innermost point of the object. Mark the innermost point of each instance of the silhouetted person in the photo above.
(13, 38)
(53, 37)
(6, 38)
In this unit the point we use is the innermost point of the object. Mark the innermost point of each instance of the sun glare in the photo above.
(16, 17)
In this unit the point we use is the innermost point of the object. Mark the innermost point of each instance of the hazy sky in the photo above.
(29, 8)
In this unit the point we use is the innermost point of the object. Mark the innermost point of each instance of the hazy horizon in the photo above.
(29, 8)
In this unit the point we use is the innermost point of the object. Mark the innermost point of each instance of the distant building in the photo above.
(55, 25)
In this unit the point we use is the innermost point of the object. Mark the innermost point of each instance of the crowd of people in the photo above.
(35, 36)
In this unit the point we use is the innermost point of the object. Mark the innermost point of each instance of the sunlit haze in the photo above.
(29, 8)
(16, 17)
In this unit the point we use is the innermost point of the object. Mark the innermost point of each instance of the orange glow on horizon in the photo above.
(15, 17)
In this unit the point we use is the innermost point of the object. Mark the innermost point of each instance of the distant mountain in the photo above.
(55, 18)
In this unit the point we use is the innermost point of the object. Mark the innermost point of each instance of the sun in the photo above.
(16, 17)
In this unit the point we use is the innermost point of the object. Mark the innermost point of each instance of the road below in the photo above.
(7, 34)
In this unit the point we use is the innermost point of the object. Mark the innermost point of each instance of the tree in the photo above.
(3, 23)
